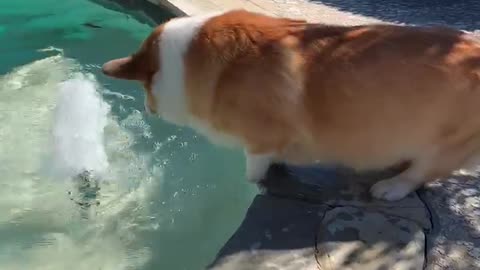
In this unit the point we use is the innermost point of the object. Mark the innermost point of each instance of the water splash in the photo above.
(78, 131)
(51, 113)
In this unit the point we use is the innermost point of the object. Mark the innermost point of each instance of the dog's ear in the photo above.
(141, 65)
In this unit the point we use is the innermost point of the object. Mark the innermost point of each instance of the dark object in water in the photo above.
(86, 190)
(91, 25)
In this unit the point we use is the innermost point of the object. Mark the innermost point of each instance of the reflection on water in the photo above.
(168, 199)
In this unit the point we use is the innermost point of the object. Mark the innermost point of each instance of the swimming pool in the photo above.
(170, 199)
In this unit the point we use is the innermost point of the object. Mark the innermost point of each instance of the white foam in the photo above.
(78, 131)
(39, 225)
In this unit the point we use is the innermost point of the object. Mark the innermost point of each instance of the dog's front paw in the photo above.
(392, 189)
(257, 167)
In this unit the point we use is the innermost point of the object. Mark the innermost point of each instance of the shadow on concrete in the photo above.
(301, 204)
(287, 219)
(464, 14)
(454, 204)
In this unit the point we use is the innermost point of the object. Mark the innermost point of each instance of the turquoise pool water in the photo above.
(169, 199)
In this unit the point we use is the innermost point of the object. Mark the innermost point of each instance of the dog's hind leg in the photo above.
(399, 186)
(423, 170)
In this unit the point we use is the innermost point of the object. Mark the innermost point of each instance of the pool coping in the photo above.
(292, 8)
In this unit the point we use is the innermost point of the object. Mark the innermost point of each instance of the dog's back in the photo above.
(391, 92)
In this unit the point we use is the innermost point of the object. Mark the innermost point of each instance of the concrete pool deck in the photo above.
(286, 8)
(324, 219)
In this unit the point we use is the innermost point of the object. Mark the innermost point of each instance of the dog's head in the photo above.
(174, 55)
(140, 66)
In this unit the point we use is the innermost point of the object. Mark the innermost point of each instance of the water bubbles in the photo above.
(193, 157)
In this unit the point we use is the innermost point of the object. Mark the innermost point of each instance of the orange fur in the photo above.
(364, 96)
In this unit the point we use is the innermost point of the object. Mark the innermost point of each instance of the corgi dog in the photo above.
(365, 97)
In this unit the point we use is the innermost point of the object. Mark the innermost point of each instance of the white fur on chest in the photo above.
(169, 81)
